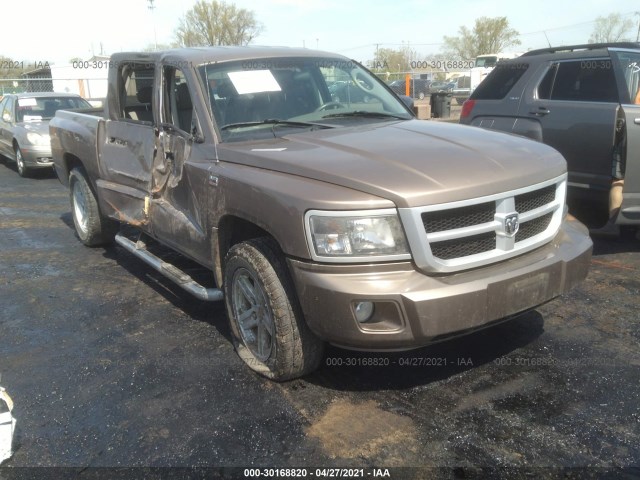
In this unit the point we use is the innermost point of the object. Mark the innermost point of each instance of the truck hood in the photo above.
(411, 163)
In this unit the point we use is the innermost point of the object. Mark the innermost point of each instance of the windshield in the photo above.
(35, 109)
(248, 98)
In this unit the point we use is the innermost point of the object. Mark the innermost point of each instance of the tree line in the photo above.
(214, 23)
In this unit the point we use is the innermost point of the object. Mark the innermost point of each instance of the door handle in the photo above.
(542, 111)
(636, 121)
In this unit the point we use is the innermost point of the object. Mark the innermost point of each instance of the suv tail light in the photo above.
(467, 106)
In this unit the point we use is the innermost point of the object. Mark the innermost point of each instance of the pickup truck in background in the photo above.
(321, 220)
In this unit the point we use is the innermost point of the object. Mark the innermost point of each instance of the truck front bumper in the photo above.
(412, 309)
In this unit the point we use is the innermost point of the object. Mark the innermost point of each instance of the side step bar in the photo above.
(139, 249)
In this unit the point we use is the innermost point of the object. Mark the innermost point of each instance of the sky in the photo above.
(58, 31)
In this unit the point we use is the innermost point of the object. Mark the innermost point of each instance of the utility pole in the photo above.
(152, 7)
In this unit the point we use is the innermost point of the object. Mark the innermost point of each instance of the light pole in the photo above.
(152, 7)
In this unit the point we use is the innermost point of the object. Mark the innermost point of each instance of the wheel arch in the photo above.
(231, 230)
(69, 162)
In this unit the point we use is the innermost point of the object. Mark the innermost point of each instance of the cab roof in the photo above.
(204, 55)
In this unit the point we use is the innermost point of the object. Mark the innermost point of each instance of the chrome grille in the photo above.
(532, 200)
(465, 234)
(464, 247)
(534, 227)
(443, 220)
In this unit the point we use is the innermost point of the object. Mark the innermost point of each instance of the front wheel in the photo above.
(92, 228)
(267, 325)
(23, 170)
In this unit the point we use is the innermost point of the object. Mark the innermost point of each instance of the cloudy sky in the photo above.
(43, 30)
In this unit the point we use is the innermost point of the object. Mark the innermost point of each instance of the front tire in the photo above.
(92, 228)
(267, 325)
(23, 170)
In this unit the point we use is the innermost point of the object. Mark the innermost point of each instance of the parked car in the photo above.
(418, 87)
(319, 221)
(580, 100)
(24, 126)
(438, 86)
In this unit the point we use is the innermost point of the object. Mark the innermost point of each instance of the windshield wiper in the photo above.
(275, 122)
(362, 113)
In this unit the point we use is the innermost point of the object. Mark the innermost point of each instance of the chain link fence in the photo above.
(88, 88)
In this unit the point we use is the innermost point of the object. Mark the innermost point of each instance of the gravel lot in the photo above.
(110, 365)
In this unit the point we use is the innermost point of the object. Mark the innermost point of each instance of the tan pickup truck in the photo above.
(322, 218)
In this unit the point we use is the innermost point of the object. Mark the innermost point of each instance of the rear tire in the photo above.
(268, 328)
(92, 227)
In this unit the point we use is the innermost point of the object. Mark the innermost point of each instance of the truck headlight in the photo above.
(356, 236)
(37, 139)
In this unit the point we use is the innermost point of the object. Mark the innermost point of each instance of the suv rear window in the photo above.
(500, 81)
(586, 80)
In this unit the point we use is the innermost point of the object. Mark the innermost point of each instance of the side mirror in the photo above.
(6, 117)
(408, 101)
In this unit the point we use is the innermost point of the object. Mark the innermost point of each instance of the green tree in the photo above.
(612, 28)
(489, 35)
(217, 23)
(392, 61)
(11, 68)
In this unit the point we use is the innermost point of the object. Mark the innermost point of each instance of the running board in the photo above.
(173, 273)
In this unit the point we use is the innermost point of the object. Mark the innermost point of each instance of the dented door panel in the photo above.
(178, 201)
(125, 162)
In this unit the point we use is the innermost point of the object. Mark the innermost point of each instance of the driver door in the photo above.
(179, 194)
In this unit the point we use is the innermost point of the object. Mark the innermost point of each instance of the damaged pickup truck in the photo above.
(321, 219)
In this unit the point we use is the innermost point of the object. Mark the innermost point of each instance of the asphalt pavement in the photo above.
(111, 366)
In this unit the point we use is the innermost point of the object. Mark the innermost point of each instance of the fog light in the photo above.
(364, 311)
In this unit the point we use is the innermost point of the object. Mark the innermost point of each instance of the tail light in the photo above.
(467, 106)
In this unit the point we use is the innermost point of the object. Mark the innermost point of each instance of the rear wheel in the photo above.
(92, 227)
(268, 328)
(23, 170)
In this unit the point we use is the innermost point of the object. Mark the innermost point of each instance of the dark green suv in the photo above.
(581, 100)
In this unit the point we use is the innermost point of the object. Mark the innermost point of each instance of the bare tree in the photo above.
(217, 23)
(612, 28)
(489, 35)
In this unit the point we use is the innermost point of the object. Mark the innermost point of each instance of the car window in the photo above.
(2, 104)
(135, 91)
(8, 108)
(32, 109)
(587, 80)
(500, 81)
(630, 67)
(177, 105)
(544, 89)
